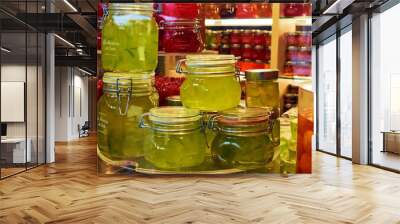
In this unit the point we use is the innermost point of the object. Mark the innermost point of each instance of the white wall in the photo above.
(71, 102)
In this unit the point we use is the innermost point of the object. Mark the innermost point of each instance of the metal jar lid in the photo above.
(174, 101)
(247, 46)
(259, 47)
(292, 48)
(235, 45)
(261, 74)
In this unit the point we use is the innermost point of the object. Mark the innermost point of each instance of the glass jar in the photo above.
(260, 53)
(235, 37)
(292, 9)
(260, 37)
(247, 37)
(130, 38)
(211, 83)
(304, 54)
(291, 39)
(288, 69)
(244, 139)
(264, 10)
(302, 69)
(211, 11)
(307, 9)
(226, 36)
(262, 89)
(227, 10)
(173, 11)
(236, 50)
(167, 86)
(225, 49)
(304, 39)
(176, 139)
(182, 36)
(125, 99)
(246, 10)
(247, 52)
(292, 54)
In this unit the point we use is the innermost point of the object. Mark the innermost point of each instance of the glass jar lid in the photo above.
(207, 64)
(243, 116)
(173, 115)
(174, 101)
(131, 6)
(261, 74)
(180, 24)
(135, 83)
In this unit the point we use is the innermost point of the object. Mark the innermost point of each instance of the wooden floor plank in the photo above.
(69, 191)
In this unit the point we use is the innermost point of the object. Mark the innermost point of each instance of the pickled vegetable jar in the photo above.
(262, 88)
(182, 36)
(125, 99)
(211, 83)
(244, 138)
(130, 38)
(176, 139)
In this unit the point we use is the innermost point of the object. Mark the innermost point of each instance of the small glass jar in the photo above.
(225, 49)
(176, 140)
(247, 52)
(125, 99)
(292, 53)
(247, 37)
(304, 54)
(168, 86)
(302, 69)
(264, 10)
(226, 36)
(245, 138)
(246, 10)
(292, 9)
(307, 9)
(260, 37)
(288, 69)
(130, 38)
(235, 37)
(262, 89)
(175, 11)
(304, 39)
(182, 36)
(227, 10)
(236, 50)
(260, 53)
(211, 83)
(291, 39)
(211, 11)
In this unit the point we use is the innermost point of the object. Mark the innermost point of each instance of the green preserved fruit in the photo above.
(262, 94)
(244, 152)
(210, 93)
(175, 151)
(129, 42)
(119, 137)
(288, 145)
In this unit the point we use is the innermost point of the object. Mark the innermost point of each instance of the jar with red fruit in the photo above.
(182, 36)
(307, 9)
(235, 37)
(168, 86)
(291, 39)
(236, 50)
(226, 36)
(246, 10)
(247, 52)
(288, 69)
(211, 11)
(304, 38)
(173, 11)
(291, 53)
(227, 10)
(260, 53)
(247, 37)
(225, 49)
(302, 69)
(264, 10)
(304, 54)
(292, 9)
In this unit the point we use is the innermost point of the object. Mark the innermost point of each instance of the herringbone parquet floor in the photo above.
(69, 191)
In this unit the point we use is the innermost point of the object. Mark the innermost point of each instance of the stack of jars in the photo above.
(181, 27)
(210, 123)
(298, 54)
(129, 59)
(249, 45)
(239, 10)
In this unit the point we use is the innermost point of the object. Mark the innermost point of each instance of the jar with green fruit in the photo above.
(125, 99)
(245, 138)
(176, 139)
(129, 38)
(211, 83)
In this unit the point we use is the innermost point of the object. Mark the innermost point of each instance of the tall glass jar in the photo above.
(125, 99)
(176, 139)
(182, 35)
(244, 138)
(130, 38)
(211, 83)
(262, 89)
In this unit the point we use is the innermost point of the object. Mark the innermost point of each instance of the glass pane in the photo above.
(41, 99)
(346, 94)
(13, 86)
(327, 96)
(385, 86)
